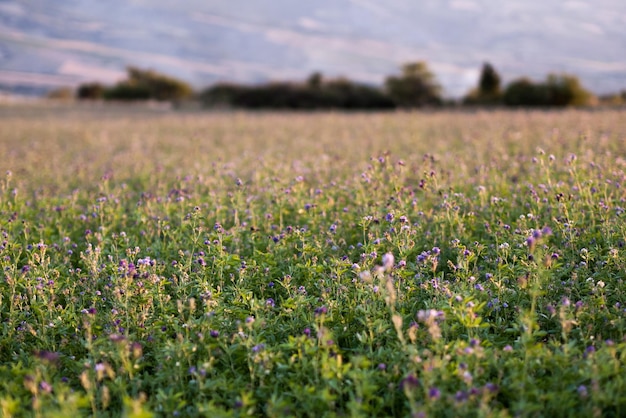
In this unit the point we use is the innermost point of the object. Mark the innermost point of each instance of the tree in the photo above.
(160, 86)
(489, 83)
(566, 90)
(558, 90)
(415, 87)
(488, 91)
(90, 91)
(524, 92)
(315, 80)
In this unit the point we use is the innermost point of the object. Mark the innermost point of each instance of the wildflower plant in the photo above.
(312, 265)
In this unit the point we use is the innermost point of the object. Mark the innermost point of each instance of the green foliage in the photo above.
(316, 93)
(556, 91)
(566, 90)
(488, 91)
(489, 83)
(139, 85)
(90, 91)
(160, 86)
(126, 91)
(415, 87)
(232, 264)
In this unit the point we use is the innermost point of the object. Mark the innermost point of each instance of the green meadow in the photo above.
(446, 264)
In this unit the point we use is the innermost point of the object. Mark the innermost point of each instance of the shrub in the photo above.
(90, 91)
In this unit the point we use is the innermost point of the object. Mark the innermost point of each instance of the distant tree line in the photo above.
(414, 87)
(316, 93)
(558, 90)
(139, 85)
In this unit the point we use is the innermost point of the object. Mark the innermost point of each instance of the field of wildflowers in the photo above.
(402, 264)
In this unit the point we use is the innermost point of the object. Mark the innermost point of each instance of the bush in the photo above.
(127, 92)
(523, 92)
(415, 87)
(488, 91)
(90, 91)
(314, 94)
(557, 91)
(160, 86)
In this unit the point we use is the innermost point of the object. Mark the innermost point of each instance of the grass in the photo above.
(179, 264)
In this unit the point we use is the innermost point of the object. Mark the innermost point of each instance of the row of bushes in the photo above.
(336, 94)
(414, 87)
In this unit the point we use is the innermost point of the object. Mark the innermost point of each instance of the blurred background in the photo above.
(47, 46)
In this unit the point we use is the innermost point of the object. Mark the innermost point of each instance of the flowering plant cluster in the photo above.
(312, 265)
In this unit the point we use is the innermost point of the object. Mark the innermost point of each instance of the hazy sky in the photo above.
(51, 43)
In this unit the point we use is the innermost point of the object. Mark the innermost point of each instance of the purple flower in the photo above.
(270, 302)
(389, 217)
(434, 393)
(382, 366)
(491, 387)
(214, 333)
(582, 391)
(322, 310)
(307, 332)
(45, 386)
(48, 356)
(461, 396)
(409, 382)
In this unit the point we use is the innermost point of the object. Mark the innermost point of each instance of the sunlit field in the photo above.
(160, 263)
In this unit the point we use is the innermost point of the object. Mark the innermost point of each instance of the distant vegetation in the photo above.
(415, 87)
(316, 93)
(139, 85)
